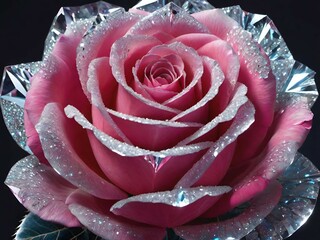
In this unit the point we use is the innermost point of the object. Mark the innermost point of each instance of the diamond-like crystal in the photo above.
(93, 12)
(190, 6)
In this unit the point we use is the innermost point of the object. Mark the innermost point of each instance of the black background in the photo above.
(25, 24)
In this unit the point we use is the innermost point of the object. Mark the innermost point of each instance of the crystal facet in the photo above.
(300, 184)
(93, 12)
(190, 6)
(292, 77)
(14, 87)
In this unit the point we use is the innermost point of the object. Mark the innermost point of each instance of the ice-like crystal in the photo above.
(190, 6)
(292, 77)
(234, 228)
(14, 120)
(93, 12)
(14, 86)
(300, 184)
(177, 197)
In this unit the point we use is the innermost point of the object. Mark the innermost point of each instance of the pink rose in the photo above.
(155, 121)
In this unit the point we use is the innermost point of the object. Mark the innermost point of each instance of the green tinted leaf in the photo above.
(35, 228)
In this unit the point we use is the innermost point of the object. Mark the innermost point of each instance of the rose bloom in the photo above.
(160, 120)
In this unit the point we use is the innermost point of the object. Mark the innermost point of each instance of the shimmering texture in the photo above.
(177, 197)
(13, 118)
(63, 158)
(217, 78)
(41, 190)
(237, 227)
(23, 174)
(110, 227)
(228, 114)
(292, 77)
(86, 15)
(14, 86)
(190, 6)
(173, 18)
(114, 25)
(241, 122)
(128, 150)
(249, 50)
(16, 79)
(300, 184)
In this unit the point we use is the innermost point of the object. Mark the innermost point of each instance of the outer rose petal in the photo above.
(163, 20)
(288, 133)
(154, 136)
(216, 21)
(169, 208)
(255, 181)
(260, 91)
(58, 135)
(239, 226)
(124, 52)
(94, 214)
(106, 33)
(42, 191)
(54, 83)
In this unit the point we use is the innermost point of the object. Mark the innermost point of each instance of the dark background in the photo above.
(25, 24)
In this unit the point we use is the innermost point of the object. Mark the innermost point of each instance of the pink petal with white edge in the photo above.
(239, 226)
(242, 121)
(58, 140)
(102, 80)
(53, 83)
(256, 180)
(255, 73)
(212, 76)
(195, 40)
(124, 54)
(169, 208)
(216, 21)
(292, 123)
(193, 67)
(94, 214)
(42, 191)
(114, 157)
(289, 131)
(98, 42)
(169, 19)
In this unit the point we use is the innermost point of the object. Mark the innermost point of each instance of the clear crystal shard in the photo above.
(93, 12)
(190, 6)
(299, 195)
(14, 86)
(13, 117)
(293, 78)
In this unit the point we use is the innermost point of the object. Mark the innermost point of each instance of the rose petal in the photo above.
(292, 123)
(102, 38)
(101, 80)
(212, 73)
(195, 40)
(256, 180)
(41, 191)
(129, 101)
(255, 73)
(169, 19)
(54, 82)
(169, 208)
(241, 123)
(218, 23)
(193, 68)
(128, 150)
(94, 215)
(239, 226)
(58, 135)
(238, 100)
